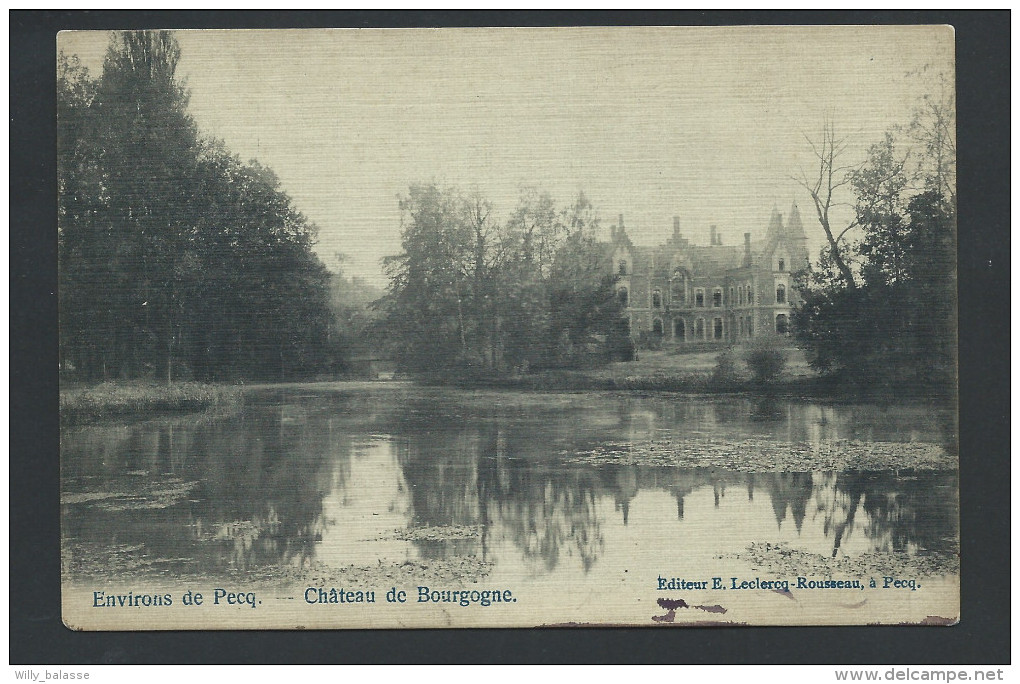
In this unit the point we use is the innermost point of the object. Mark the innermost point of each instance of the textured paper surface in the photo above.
(537, 508)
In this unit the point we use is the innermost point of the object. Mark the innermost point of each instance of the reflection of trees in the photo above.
(904, 514)
(768, 409)
(468, 463)
(261, 480)
(545, 510)
(911, 513)
(440, 468)
(274, 471)
(470, 474)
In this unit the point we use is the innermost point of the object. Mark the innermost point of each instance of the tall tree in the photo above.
(82, 240)
(149, 147)
(175, 258)
(896, 327)
(833, 174)
(429, 284)
(471, 291)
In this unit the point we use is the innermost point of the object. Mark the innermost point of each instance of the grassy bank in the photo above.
(696, 373)
(684, 382)
(89, 403)
(652, 371)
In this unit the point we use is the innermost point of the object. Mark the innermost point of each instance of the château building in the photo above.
(683, 292)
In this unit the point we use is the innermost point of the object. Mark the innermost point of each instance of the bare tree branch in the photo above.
(831, 177)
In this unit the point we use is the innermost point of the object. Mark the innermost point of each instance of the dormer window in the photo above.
(657, 300)
(780, 294)
(782, 265)
(623, 267)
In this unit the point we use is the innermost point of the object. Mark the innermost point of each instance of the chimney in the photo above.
(676, 227)
(612, 233)
(747, 249)
(712, 241)
(621, 222)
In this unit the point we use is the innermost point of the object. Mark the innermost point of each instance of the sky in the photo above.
(706, 123)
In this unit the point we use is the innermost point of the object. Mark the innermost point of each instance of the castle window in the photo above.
(782, 324)
(678, 329)
(741, 326)
(732, 301)
(782, 264)
(780, 294)
(741, 291)
(623, 267)
(657, 327)
(699, 329)
(657, 299)
(717, 328)
(699, 297)
(717, 297)
(750, 327)
(622, 294)
(750, 295)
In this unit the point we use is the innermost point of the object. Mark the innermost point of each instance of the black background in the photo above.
(38, 637)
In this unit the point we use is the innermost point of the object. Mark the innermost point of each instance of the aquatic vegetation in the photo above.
(91, 403)
(765, 455)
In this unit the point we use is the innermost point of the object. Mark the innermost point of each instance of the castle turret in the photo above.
(798, 239)
(775, 227)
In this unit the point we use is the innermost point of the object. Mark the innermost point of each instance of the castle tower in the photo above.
(797, 238)
(775, 227)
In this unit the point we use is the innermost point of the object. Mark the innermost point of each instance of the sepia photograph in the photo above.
(647, 326)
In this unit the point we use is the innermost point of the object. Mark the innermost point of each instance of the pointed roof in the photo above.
(794, 226)
(775, 226)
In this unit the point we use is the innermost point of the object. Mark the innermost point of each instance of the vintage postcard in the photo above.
(494, 327)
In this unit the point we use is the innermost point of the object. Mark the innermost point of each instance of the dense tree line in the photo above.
(880, 306)
(471, 292)
(176, 260)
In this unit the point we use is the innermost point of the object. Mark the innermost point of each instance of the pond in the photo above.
(389, 474)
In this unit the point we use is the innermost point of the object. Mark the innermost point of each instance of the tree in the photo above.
(149, 143)
(583, 299)
(261, 307)
(832, 175)
(81, 241)
(470, 291)
(932, 128)
(175, 258)
(896, 327)
(428, 279)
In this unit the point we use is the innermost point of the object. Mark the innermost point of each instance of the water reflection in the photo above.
(294, 479)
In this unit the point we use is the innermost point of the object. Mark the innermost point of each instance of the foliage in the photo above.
(470, 292)
(897, 328)
(176, 259)
(725, 371)
(765, 359)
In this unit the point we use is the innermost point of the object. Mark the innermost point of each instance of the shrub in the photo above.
(725, 371)
(765, 359)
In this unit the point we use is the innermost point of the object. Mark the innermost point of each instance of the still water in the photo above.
(388, 472)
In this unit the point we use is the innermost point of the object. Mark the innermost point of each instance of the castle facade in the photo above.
(681, 293)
